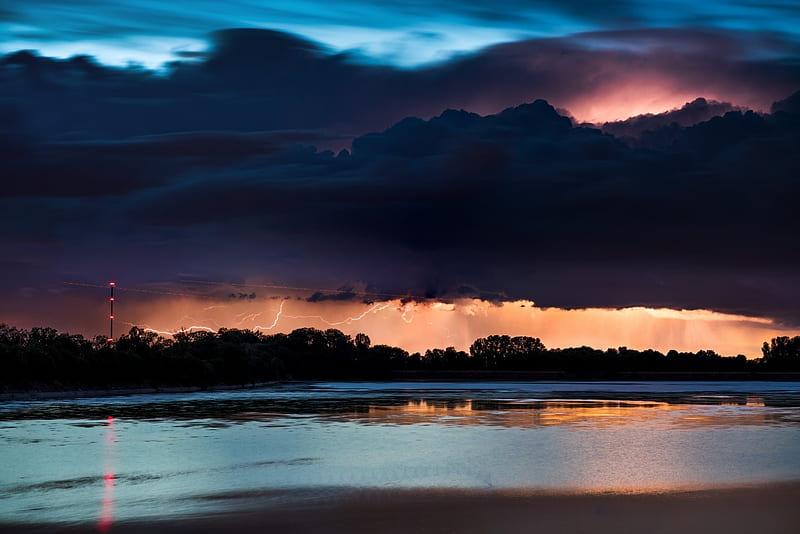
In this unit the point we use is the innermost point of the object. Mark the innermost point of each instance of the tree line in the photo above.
(43, 358)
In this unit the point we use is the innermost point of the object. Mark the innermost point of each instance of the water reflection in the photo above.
(542, 403)
(106, 518)
(585, 413)
(65, 461)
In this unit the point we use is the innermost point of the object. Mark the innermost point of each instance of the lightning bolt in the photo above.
(408, 314)
(159, 332)
(244, 317)
(172, 333)
(198, 327)
(189, 319)
(275, 322)
(373, 309)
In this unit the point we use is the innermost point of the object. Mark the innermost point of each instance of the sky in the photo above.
(568, 168)
(402, 33)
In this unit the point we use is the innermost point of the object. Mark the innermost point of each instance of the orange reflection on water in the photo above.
(601, 413)
(425, 407)
(515, 413)
(419, 411)
(588, 413)
(106, 518)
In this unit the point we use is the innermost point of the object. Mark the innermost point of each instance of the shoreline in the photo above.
(764, 508)
(121, 392)
(618, 376)
(421, 377)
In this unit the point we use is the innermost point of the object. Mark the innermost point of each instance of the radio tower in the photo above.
(111, 315)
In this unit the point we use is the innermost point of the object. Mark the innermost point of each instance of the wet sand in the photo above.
(764, 509)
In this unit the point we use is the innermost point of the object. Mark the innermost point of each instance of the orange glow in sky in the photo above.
(649, 93)
(629, 100)
(417, 326)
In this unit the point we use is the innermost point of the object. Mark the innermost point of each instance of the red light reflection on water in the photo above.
(106, 518)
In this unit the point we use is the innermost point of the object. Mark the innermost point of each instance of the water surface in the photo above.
(161, 455)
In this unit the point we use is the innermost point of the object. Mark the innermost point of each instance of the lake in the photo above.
(112, 459)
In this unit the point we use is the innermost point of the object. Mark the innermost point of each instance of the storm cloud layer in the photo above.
(256, 80)
(210, 171)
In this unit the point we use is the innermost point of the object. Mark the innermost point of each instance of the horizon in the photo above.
(416, 325)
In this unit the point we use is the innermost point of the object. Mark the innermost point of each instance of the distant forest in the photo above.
(44, 359)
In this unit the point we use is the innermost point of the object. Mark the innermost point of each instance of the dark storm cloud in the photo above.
(521, 204)
(255, 80)
(242, 296)
(343, 294)
(699, 110)
(81, 169)
(524, 203)
(787, 105)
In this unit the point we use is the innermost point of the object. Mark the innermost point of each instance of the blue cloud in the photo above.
(389, 32)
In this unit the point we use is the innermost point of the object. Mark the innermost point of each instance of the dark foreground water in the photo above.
(163, 455)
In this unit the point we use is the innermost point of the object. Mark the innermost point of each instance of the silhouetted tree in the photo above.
(44, 358)
(504, 352)
(782, 353)
(362, 341)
